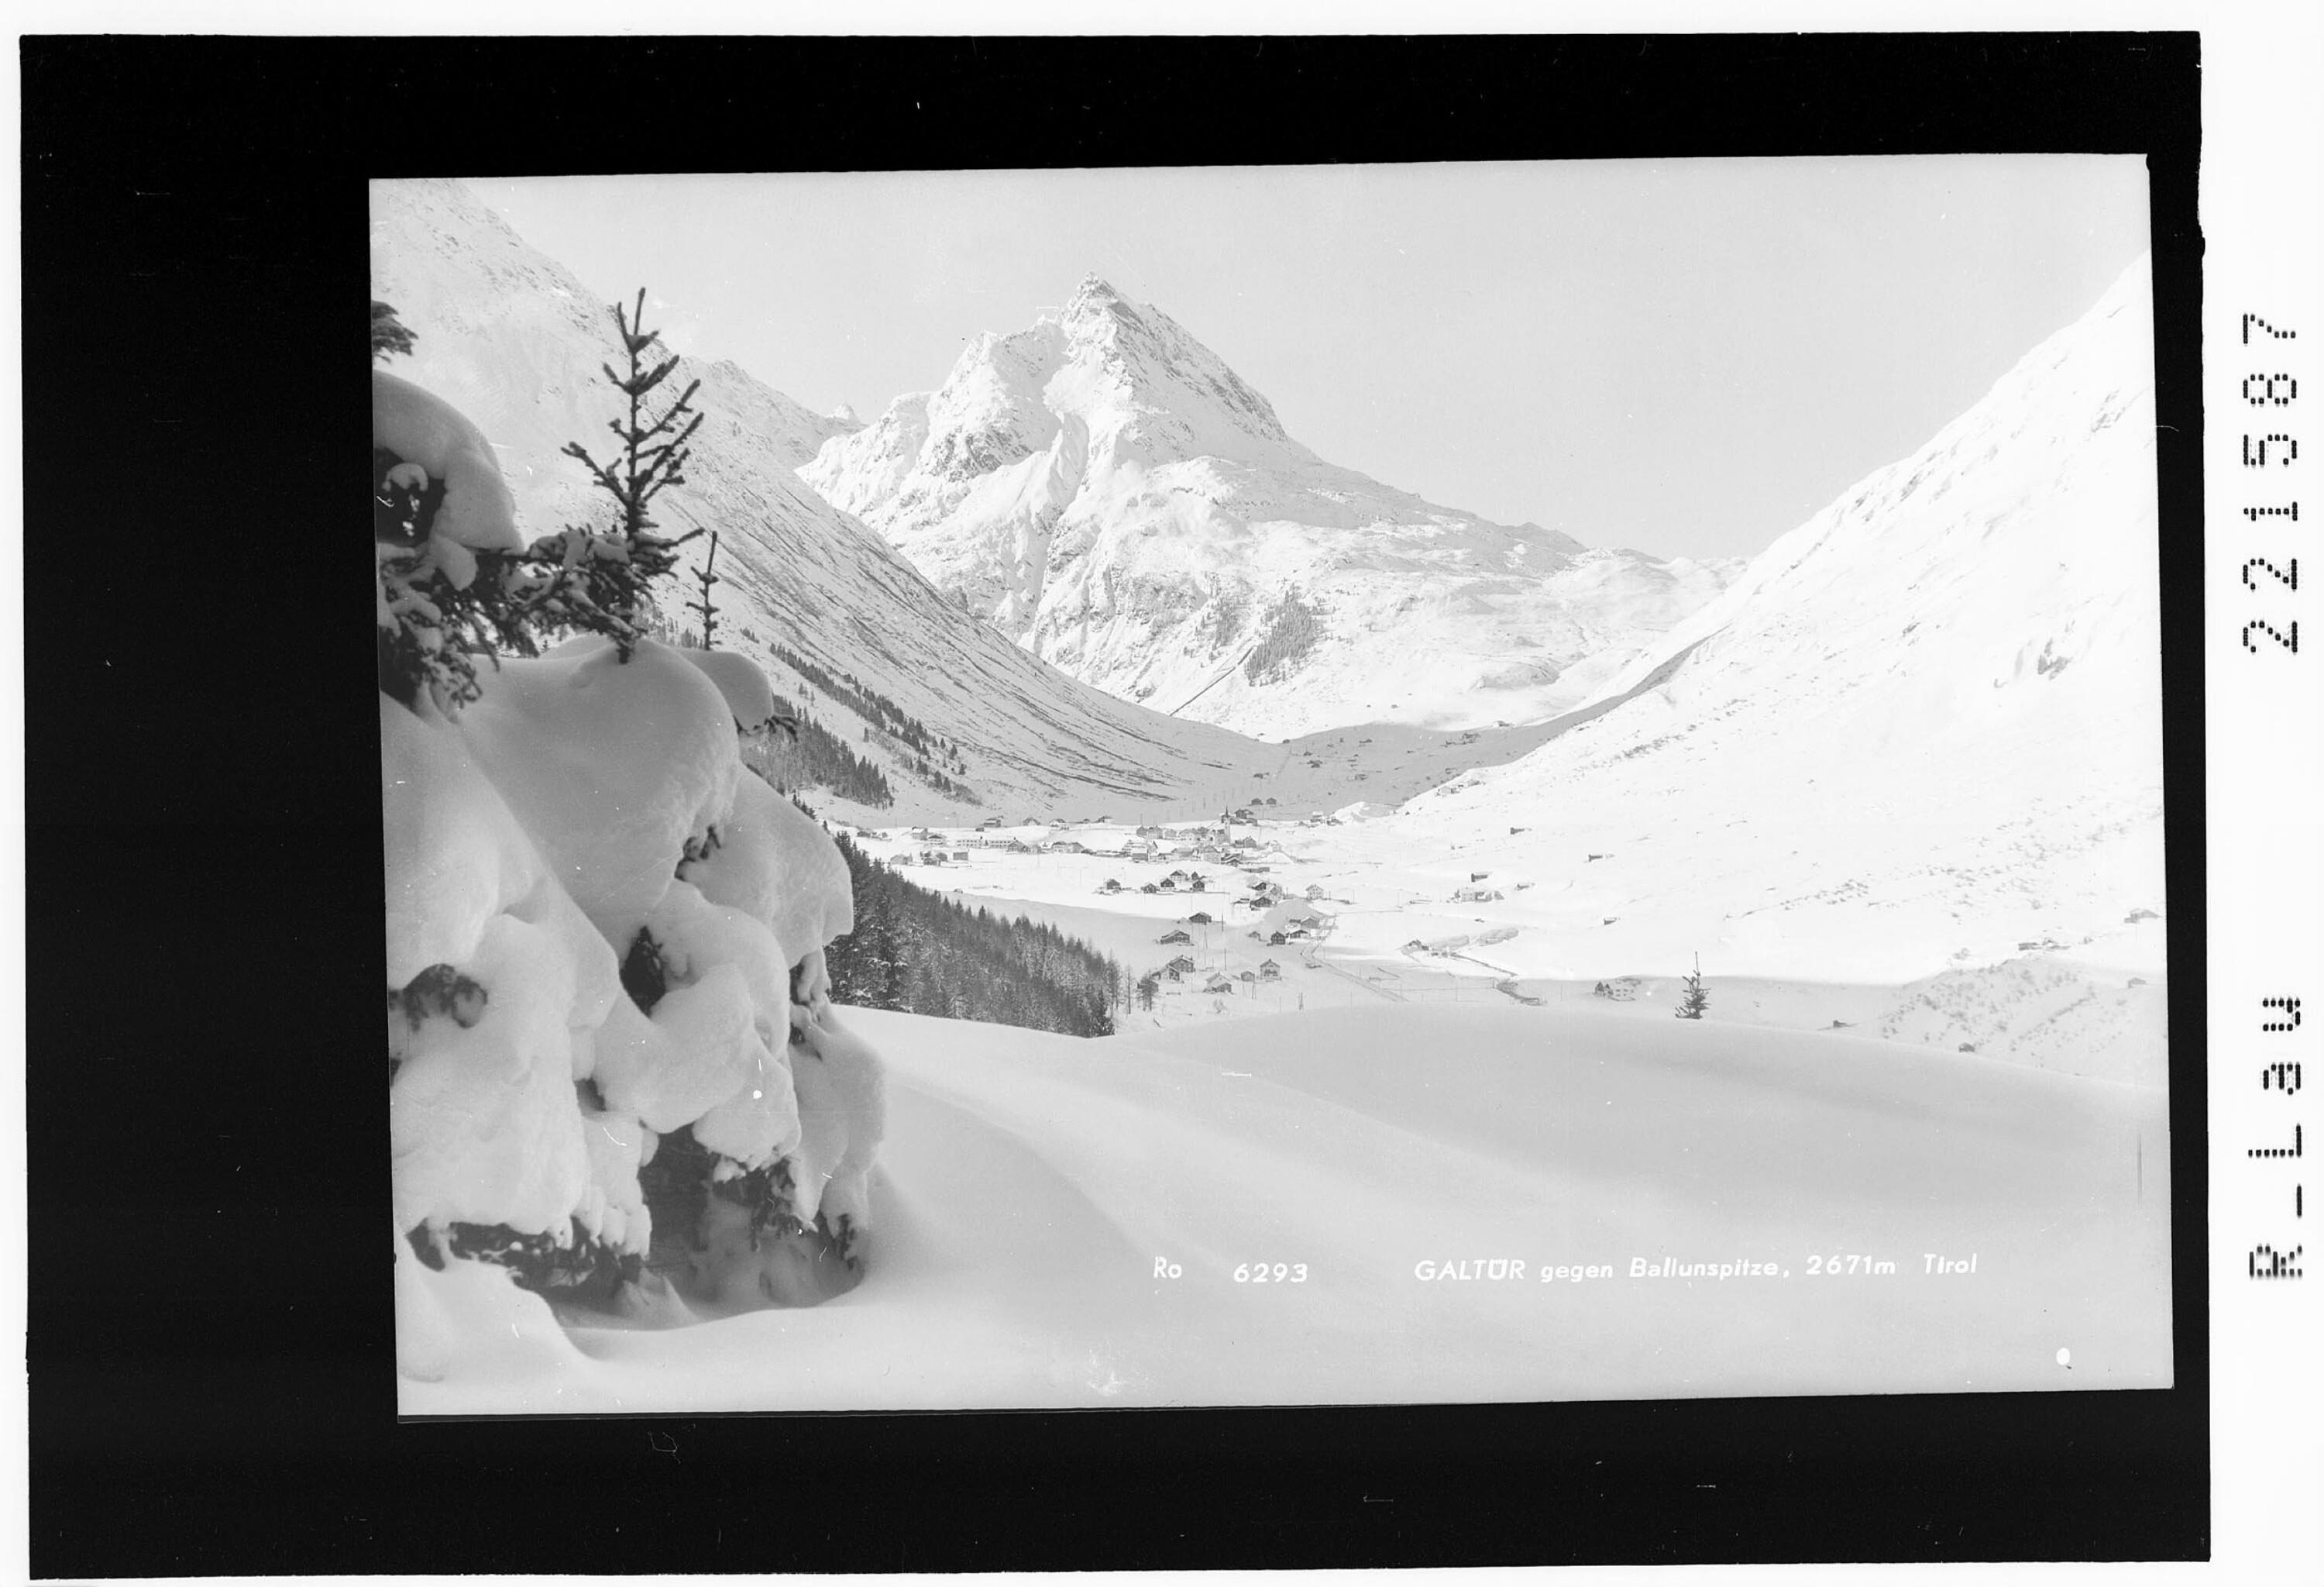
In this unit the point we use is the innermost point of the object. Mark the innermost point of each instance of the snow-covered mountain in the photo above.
(516, 342)
(1924, 725)
(1109, 492)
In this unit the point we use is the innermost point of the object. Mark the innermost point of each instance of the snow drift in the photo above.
(584, 810)
(1062, 1221)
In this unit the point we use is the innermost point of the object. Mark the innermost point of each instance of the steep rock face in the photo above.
(1929, 718)
(516, 342)
(1106, 491)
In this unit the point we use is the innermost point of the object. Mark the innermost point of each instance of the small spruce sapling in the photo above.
(1696, 1000)
(601, 581)
(701, 604)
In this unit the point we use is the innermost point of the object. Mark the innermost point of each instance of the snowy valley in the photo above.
(1403, 829)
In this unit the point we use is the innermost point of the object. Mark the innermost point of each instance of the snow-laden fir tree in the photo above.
(616, 1078)
(444, 538)
(387, 332)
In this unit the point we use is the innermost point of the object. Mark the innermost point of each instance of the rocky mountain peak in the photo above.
(1104, 489)
(1152, 365)
(1095, 293)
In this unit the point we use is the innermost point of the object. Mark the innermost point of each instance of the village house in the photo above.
(1218, 982)
(1183, 965)
(1170, 936)
(1269, 970)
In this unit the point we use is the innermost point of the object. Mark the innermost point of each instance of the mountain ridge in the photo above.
(516, 342)
(1103, 489)
(1938, 699)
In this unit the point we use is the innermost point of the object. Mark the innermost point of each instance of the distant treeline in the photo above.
(921, 952)
(816, 758)
(919, 766)
(1293, 629)
(874, 706)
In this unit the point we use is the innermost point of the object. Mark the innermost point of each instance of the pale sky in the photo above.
(1689, 357)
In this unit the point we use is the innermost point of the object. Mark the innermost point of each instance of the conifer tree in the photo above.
(601, 581)
(701, 603)
(433, 621)
(434, 624)
(387, 333)
(1691, 1005)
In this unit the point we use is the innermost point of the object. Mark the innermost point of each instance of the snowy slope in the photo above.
(514, 341)
(1107, 490)
(1924, 727)
(1030, 1182)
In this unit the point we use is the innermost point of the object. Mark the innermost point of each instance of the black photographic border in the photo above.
(210, 1338)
